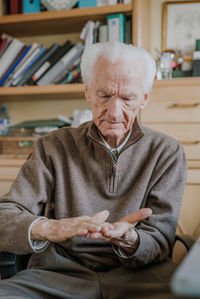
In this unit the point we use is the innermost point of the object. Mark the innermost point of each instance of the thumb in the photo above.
(101, 216)
(137, 216)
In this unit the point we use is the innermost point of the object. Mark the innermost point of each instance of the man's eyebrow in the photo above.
(129, 95)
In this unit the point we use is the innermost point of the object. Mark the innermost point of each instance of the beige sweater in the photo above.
(71, 173)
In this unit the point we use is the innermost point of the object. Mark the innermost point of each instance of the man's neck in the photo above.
(115, 142)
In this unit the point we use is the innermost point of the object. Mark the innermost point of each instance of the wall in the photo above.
(156, 25)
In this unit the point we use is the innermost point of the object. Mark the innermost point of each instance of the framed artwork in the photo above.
(181, 25)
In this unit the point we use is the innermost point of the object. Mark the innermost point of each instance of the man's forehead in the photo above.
(119, 69)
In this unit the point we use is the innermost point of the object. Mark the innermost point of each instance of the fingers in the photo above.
(137, 216)
(101, 216)
(120, 228)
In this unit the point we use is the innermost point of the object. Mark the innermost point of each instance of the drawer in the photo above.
(189, 219)
(173, 104)
(188, 135)
(4, 187)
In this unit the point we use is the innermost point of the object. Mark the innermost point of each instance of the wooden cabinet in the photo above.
(9, 169)
(174, 109)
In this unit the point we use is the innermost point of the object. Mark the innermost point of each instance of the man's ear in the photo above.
(87, 94)
(145, 101)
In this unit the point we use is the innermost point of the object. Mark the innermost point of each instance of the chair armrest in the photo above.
(7, 264)
(11, 263)
(186, 240)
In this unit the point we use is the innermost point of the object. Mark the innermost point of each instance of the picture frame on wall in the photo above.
(181, 25)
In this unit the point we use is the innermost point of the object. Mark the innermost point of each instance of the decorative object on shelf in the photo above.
(180, 25)
(106, 2)
(87, 3)
(4, 121)
(196, 59)
(53, 5)
(31, 6)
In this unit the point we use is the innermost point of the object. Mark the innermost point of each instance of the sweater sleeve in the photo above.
(164, 197)
(25, 201)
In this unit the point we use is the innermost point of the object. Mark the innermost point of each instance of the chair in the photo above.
(11, 263)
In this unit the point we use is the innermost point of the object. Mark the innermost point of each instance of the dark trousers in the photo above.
(78, 281)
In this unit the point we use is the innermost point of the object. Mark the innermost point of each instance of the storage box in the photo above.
(16, 147)
(87, 3)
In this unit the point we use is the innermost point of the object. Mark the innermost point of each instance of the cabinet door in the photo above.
(189, 220)
(187, 134)
(8, 172)
(173, 104)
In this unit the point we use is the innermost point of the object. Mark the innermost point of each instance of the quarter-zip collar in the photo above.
(136, 134)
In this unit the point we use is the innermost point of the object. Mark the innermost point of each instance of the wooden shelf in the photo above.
(73, 91)
(50, 92)
(54, 22)
(186, 81)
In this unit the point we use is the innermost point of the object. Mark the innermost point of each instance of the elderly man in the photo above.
(98, 205)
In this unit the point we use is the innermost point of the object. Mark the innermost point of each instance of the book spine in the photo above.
(52, 61)
(37, 64)
(116, 27)
(65, 62)
(8, 57)
(13, 7)
(35, 58)
(14, 66)
(32, 53)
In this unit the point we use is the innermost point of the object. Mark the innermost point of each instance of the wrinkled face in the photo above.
(115, 95)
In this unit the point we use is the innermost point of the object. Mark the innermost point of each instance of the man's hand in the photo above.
(63, 229)
(123, 229)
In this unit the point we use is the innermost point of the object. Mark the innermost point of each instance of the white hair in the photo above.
(117, 51)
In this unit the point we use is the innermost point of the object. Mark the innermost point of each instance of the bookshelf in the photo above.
(75, 91)
(68, 22)
(53, 22)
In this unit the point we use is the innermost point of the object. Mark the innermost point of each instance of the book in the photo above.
(17, 60)
(38, 53)
(64, 63)
(10, 54)
(72, 75)
(27, 58)
(13, 7)
(116, 27)
(37, 64)
(128, 31)
(3, 43)
(32, 6)
(102, 33)
(53, 5)
(50, 62)
(4, 7)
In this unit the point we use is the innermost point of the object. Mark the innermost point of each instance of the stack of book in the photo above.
(35, 64)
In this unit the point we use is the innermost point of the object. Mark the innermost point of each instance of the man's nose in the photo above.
(114, 109)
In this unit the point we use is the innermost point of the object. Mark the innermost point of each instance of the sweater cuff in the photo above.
(37, 245)
(122, 253)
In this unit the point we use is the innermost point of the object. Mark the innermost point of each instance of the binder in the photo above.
(116, 27)
(31, 6)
